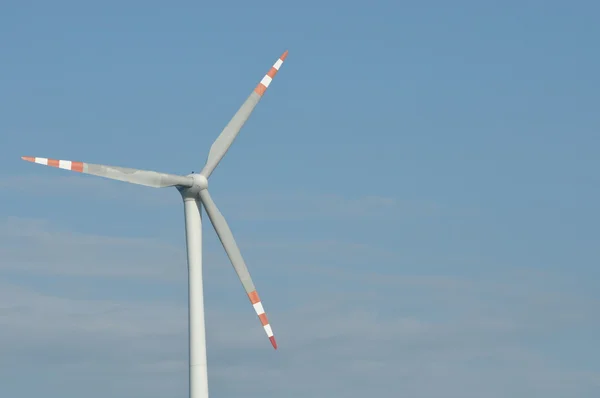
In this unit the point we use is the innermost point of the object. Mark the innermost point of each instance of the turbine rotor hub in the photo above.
(200, 182)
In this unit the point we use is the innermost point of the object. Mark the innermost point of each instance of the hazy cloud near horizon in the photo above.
(379, 331)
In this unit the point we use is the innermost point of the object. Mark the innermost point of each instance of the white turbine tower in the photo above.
(194, 191)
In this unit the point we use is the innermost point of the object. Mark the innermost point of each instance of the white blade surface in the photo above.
(133, 176)
(233, 252)
(221, 145)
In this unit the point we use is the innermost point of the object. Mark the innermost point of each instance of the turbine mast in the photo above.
(198, 377)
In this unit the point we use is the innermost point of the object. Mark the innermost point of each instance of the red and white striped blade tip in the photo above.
(260, 311)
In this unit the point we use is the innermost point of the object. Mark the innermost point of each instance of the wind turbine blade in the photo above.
(133, 176)
(225, 139)
(233, 252)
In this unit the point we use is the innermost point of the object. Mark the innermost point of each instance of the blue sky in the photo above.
(416, 197)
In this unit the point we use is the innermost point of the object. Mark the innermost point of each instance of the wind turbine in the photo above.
(194, 191)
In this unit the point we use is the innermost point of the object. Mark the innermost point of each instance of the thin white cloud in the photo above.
(239, 205)
(301, 206)
(37, 246)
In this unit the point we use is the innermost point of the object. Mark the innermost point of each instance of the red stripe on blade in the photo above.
(253, 297)
(77, 166)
